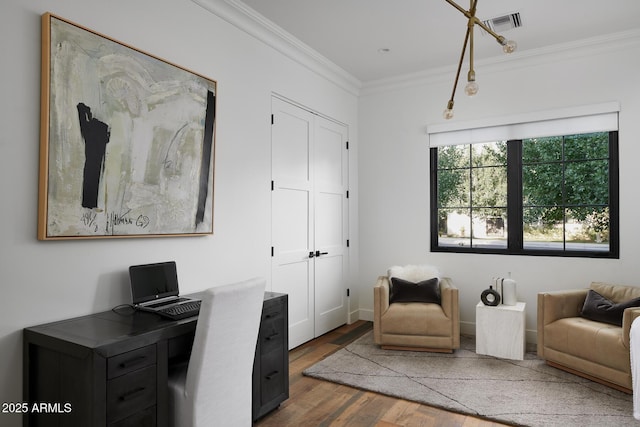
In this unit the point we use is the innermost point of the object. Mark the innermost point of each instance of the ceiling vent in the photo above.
(504, 23)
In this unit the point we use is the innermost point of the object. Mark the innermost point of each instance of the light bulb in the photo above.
(471, 88)
(448, 114)
(509, 46)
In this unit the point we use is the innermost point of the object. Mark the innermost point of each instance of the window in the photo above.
(551, 195)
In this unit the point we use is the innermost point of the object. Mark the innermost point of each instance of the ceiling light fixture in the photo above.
(508, 46)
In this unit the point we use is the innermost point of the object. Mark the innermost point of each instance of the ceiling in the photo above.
(428, 34)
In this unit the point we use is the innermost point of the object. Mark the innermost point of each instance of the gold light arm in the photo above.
(455, 83)
(471, 76)
(500, 39)
(463, 11)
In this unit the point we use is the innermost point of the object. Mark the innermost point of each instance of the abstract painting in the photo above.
(127, 141)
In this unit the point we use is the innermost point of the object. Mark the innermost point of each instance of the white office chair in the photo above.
(216, 387)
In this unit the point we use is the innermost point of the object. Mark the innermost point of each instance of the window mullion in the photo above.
(614, 196)
(433, 159)
(564, 194)
(514, 196)
(471, 196)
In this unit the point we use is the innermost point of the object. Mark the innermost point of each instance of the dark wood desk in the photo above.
(110, 369)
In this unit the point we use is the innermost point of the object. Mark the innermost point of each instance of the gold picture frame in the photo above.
(127, 140)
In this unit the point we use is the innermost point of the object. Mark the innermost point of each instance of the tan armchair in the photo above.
(417, 326)
(592, 349)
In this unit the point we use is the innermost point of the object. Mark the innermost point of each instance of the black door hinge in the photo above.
(272, 251)
(272, 119)
(347, 194)
(347, 242)
(272, 185)
(348, 291)
(347, 145)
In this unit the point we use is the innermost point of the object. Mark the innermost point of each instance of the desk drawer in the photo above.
(131, 361)
(272, 335)
(145, 418)
(272, 310)
(274, 374)
(131, 393)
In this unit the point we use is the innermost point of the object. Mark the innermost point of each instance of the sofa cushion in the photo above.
(597, 307)
(427, 291)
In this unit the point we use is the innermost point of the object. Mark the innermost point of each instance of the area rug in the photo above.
(523, 393)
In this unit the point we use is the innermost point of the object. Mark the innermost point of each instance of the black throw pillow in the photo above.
(406, 291)
(598, 308)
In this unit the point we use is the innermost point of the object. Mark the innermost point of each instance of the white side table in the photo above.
(500, 330)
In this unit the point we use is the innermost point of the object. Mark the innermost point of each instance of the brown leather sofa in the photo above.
(592, 349)
(415, 325)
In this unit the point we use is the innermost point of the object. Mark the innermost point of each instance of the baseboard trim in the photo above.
(364, 314)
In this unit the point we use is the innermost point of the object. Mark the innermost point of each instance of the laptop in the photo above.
(154, 288)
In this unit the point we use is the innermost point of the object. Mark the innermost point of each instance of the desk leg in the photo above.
(162, 378)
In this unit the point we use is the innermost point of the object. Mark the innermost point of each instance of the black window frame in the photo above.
(515, 209)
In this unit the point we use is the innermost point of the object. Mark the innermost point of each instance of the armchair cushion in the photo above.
(427, 291)
(416, 319)
(597, 307)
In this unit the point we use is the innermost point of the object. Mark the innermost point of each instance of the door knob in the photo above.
(318, 253)
(311, 254)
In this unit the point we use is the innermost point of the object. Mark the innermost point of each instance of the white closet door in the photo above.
(292, 216)
(309, 219)
(330, 187)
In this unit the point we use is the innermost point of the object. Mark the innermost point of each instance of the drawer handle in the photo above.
(132, 362)
(270, 337)
(271, 375)
(131, 394)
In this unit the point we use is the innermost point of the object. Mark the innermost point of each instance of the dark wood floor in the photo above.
(314, 402)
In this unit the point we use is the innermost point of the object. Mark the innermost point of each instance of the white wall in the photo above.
(394, 167)
(47, 281)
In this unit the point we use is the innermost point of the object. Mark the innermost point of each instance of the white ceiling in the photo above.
(428, 34)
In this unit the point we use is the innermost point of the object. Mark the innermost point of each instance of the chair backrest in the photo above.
(616, 293)
(219, 376)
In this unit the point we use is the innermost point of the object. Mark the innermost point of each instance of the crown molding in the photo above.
(251, 22)
(526, 58)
